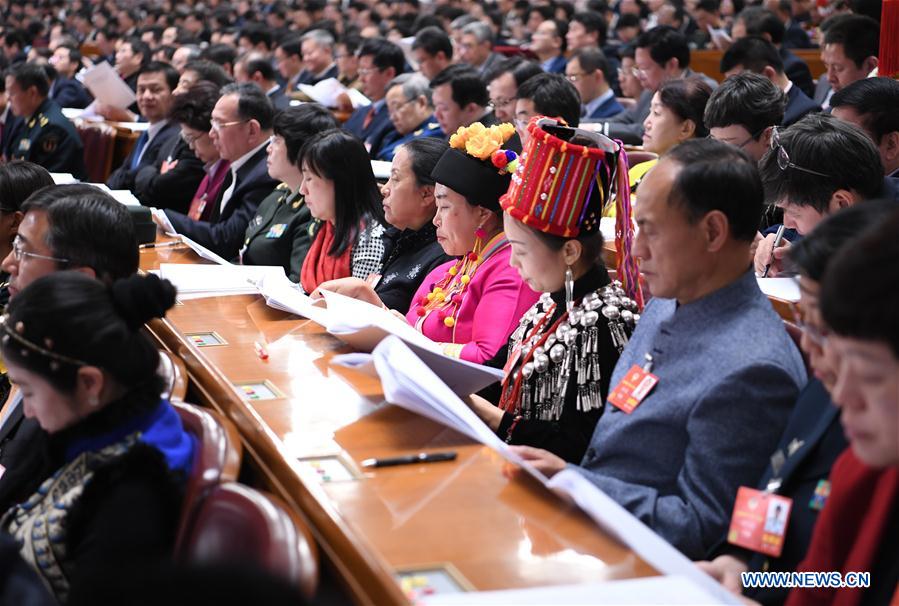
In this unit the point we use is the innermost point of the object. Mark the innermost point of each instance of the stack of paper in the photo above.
(362, 325)
(381, 169)
(122, 196)
(63, 178)
(281, 293)
(194, 281)
(409, 383)
(201, 250)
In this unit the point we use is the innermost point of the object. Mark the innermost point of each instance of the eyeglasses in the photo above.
(275, 140)
(631, 71)
(753, 137)
(368, 70)
(218, 126)
(501, 102)
(20, 254)
(576, 76)
(817, 335)
(783, 159)
(191, 139)
(397, 108)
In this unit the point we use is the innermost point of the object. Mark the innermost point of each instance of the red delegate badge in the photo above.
(759, 521)
(632, 389)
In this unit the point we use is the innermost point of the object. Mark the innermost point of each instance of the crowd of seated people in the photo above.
(507, 127)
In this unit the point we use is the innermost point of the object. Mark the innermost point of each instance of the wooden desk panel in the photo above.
(495, 531)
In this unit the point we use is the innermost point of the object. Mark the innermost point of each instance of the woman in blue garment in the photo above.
(88, 374)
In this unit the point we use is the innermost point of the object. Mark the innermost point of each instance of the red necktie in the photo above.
(369, 117)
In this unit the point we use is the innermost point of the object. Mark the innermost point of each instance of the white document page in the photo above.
(668, 590)
(225, 279)
(107, 86)
(781, 288)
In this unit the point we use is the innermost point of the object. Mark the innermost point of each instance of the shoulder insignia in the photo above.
(43, 120)
(297, 203)
(30, 123)
(283, 186)
(418, 132)
(49, 144)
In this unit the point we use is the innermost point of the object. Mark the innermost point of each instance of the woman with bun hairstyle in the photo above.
(88, 374)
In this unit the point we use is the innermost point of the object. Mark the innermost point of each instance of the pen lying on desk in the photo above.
(162, 244)
(422, 457)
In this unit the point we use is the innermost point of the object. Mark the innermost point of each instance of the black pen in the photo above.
(162, 244)
(777, 240)
(422, 457)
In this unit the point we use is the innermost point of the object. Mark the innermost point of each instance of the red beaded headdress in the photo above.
(564, 180)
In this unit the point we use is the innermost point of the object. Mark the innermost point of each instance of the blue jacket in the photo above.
(556, 65)
(798, 105)
(728, 376)
(610, 107)
(392, 140)
(378, 127)
(811, 443)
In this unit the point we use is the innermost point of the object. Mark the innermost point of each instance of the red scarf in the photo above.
(207, 192)
(849, 530)
(319, 266)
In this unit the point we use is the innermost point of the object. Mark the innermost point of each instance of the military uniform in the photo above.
(280, 233)
(49, 139)
(428, 128)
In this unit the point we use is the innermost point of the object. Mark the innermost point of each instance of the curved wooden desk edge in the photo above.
(368, 580)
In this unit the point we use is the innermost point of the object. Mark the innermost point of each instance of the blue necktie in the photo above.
(138, 148)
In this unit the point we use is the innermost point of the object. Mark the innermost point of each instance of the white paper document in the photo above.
(201, 250)
(137, 127)
(780, 288)
(618, 522)
(123, 196)
(167, 227)
(381, 169)
(363, 325)
(190, 278)
(675, 589)
(409, 383)
(327, 91)
(63, 178)
(107, 86)
(280, 293)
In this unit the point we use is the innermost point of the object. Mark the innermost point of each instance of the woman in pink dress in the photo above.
(472, 304)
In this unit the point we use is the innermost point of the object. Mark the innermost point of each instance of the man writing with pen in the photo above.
(814, 168)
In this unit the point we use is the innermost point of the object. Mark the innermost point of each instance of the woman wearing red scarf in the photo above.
(858, 529)
(341, 192)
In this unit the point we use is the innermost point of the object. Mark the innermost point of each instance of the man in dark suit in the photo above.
(45, 137)
(743, 111)
(588, 71)
(317, 47)
(155, 84)
(661, 54)
(476, 47)
(548, 43)
(850, 50)
(65, 89)
(88, 224)
(257, 68)
(871, 104)
(380, 62)
(241, 127)
(758, 21)
(9, 123)
(757, 55)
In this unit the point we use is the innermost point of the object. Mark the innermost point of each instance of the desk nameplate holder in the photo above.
(254, 391)
(206, 339)
(421, 581)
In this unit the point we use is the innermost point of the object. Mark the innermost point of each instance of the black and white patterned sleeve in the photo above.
(369, 250)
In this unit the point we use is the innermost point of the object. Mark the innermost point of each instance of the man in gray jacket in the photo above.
(728, 373)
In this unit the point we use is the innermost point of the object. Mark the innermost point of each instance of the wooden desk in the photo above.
(708, 62)
(492, 531)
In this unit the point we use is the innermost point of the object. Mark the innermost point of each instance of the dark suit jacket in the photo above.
(628, 125)
(280, 100)
(798, 105)
(796, 37)
(797, 71)
(225, 230)
(176, 187)
(123, 176)
(307, 77)
(380, 123)
(817, 437)
(70, 93)
(557, 65)
(10, 133)
(822, 89)
(610, 107)
(22, 447)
